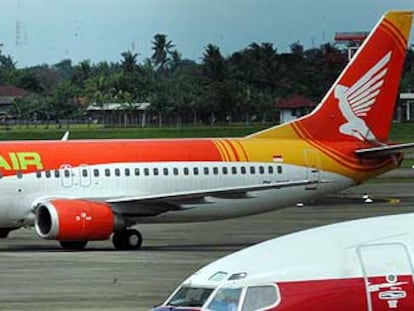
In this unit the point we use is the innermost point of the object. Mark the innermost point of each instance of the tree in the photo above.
(65, 105)
(64, 69)
(7, 67)
(213, 63)
(129, 62)
(81, 73)
(162, 50)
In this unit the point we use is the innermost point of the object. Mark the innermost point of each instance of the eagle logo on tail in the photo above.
(356, 101)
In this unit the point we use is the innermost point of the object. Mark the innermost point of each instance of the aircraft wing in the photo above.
(383, 151)
(149, 205)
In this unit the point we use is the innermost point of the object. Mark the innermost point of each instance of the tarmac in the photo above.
(37, 275)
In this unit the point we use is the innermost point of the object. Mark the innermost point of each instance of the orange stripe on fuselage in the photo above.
(223, 147)
(246, 157)
(233, 149)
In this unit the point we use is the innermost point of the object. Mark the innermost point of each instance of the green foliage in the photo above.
(241, 87)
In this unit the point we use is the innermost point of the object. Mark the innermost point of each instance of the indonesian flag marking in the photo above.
(277, 158)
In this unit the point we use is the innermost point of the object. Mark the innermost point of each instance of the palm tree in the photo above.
(162, 50)
(129, 61)
(213, 63)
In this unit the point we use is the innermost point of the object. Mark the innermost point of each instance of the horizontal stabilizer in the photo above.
(383, 151)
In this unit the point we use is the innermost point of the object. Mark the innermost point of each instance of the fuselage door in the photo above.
(66, 176)
(388, 276)
(312, 171)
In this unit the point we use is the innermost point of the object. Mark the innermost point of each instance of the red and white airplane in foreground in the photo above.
(79, 191)
(361, 265)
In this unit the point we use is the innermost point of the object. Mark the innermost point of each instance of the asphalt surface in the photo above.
(37, 275)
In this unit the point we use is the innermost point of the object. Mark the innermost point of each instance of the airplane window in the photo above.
(96, 172)
(175, 171)
(84, 173)
(225, 299)
(65, 172)
(234, 170)
(117, 172)
(195, 170)
(38, 174)
(206, 171)
(259, 298)
(186, 171)
(270, 169)
(127, 172)
(146, 171)
(215, 170)
(190, 297)
(137, 171)
(252, 170)
(48, 174)
(107, 172)
(155, 171)
(261, 169)
(19, 174)
(243, 170)
(225, 170)
(165, 171)
(57, 173)
(1, 175)
(279, 169)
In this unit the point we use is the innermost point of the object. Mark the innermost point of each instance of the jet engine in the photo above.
(74, 220)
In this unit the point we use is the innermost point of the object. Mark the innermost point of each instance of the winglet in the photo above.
(65, 136)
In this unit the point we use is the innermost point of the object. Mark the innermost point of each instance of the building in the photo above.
(405, 110)
(294, 107)
(124, 114)
(8, 94)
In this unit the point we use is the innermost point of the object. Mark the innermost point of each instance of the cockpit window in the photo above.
(190, 297)
(226, 299)
(260, 297)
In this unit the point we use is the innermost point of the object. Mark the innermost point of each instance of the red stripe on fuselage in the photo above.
(55, 153)
(344, 294)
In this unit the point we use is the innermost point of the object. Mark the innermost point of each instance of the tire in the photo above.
(128, 239)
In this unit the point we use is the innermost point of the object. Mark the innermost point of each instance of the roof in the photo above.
(406, 95)
(118, 106)
(296, 101)
(12, 91)
(351, 36)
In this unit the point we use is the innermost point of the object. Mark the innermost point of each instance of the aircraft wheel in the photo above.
(73, 245)
(128, 239)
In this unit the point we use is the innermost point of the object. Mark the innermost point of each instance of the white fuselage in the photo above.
(20, 194)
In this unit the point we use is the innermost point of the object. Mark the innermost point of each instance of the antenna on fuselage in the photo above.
(65, 136)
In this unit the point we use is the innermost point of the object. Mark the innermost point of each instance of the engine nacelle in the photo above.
(74, 220)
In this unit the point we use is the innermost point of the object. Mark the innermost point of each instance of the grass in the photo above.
(98, 132)
(402, 132)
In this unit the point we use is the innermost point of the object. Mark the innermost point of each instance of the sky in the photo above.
(35, 32)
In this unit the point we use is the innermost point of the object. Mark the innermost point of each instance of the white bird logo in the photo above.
(356, 101)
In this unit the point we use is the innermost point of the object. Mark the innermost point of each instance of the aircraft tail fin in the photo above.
(360, 104)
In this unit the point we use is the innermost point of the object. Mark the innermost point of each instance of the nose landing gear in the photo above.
(127, 239)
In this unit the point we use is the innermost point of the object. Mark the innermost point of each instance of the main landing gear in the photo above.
(127, 239)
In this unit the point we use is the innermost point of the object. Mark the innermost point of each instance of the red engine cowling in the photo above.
(74, 220)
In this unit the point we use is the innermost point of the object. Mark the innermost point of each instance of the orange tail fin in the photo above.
(360, 104)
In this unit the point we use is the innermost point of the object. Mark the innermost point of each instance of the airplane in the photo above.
(75, 191)
(364, 265)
